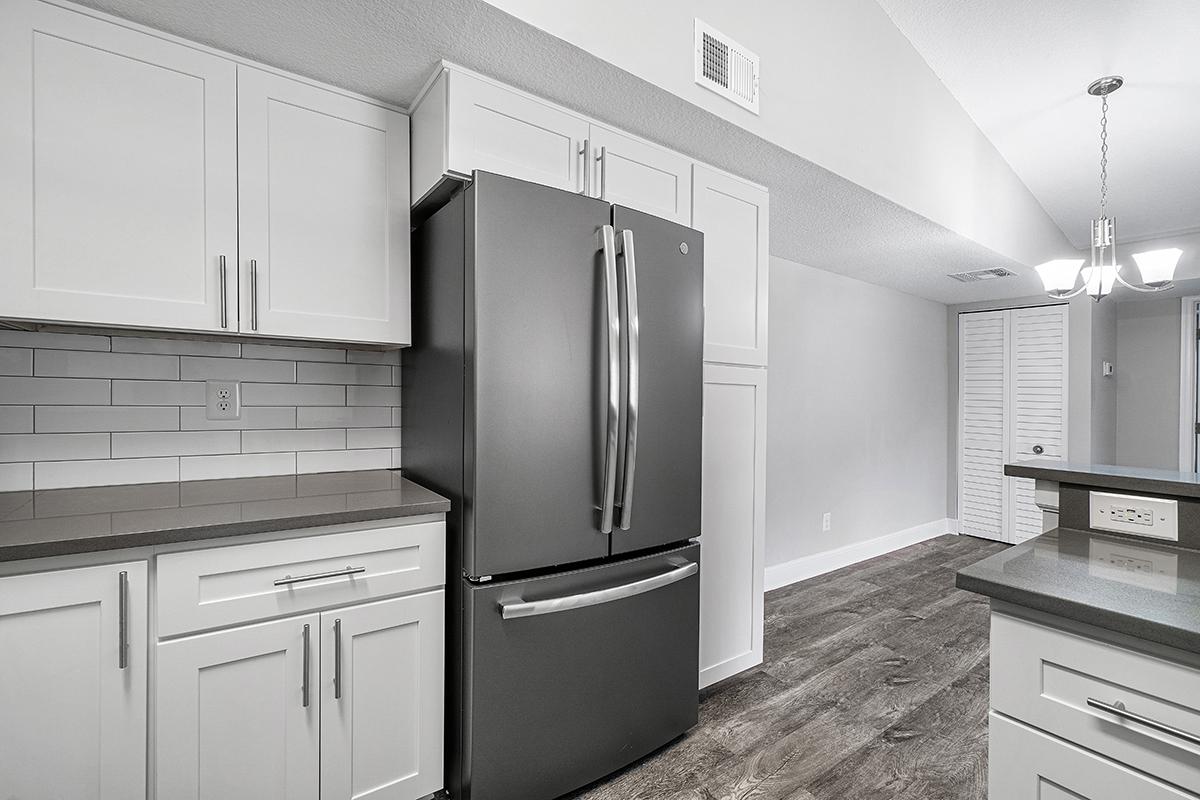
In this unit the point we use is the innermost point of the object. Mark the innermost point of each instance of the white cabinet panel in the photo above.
(324, 212)
(381, 699)
(1026, 764)
(74, 720)
(231, 714)
(636, 174)
(733, 216)
(733, 523)
(500, 130)
(118, 161)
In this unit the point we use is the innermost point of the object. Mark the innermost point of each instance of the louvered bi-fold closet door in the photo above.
(1037, 404)
(983, 349)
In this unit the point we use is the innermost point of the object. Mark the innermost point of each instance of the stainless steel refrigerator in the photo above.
(554, 392)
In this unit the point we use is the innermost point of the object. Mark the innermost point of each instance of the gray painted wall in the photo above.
(1104, 390)
(1147, 383)
(857, 413)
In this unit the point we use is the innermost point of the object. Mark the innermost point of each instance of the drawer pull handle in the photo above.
(304, 671)
(1117, 709)
(123, 620)
(288, 580)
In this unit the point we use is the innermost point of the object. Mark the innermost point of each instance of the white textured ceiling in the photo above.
(387, 48)
(1021, 68)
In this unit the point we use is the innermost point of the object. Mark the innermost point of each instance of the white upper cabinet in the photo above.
(636, 174)
(118, 161)
(324, 213)
(73, 707)
(733, 216)
(150, 183)
(465, 123)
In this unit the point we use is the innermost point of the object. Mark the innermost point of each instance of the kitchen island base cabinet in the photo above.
(733, 522)
(72, 718)
(1026, 764)
(338, 705)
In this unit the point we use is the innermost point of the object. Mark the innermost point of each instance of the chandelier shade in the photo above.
(1158, 266)
(1059, 275)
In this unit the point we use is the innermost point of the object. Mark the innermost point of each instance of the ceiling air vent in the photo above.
(726, 67)
(982, 275)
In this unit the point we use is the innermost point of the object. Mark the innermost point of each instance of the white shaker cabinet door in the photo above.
(324, 212)
(238, 713)
(500, 130)
(118, 166)
(72, 711)
(732, 214)
(733, 522)
(639, 175)
(382, 700)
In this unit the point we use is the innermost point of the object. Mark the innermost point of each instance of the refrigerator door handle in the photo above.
(553, 605)
(632, 379)
(608, 498)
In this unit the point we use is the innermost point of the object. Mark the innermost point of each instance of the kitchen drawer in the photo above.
(222, 586)
(1026, 764)
(1045, 677)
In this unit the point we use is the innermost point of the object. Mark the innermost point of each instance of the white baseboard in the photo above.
(801, 569)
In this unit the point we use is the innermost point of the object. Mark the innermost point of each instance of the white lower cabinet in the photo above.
(1026, 764)
(237, 713)
(733, 523)
(73, 683)
(381, 699)
(338, 705)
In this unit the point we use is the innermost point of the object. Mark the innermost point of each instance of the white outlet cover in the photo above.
(222, 400)
(1149, 517)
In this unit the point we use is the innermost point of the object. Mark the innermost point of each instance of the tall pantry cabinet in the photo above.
(1012, 407)
(464, 121)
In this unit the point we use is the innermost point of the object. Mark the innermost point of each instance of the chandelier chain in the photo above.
(1104, 156)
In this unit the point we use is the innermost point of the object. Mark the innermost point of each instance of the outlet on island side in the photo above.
(827, 522)
(223, 399)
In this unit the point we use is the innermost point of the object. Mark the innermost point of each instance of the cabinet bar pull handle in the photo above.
(337, 659)
(123, 620)
(1117, 709)
(288, 580)
(304, 683)
(608, 497)
(253, 295)
(603, 161)
(586, 162)
(224, 309)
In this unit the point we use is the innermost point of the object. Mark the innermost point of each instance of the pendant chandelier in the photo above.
(1156, 266)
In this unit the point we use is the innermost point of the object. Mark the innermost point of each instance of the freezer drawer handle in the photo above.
(288, 580)
(1117, 709)
(556, 604)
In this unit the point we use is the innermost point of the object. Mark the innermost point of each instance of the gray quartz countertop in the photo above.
(55, 522)
(1106, 476)
(1145, 590)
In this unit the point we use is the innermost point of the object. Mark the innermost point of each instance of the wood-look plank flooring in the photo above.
(874, 686)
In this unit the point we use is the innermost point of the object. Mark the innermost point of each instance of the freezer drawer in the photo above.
(572, 676)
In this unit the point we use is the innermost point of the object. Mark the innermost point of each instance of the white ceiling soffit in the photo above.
(388, 48)
(1021, 69)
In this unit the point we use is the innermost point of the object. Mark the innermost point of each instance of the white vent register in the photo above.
(1153, 517)
(725, 67)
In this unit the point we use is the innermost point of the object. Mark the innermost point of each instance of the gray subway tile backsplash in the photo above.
(86, 410)
(87, 364)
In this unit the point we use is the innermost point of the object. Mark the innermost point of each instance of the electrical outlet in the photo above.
(827, 522)
(223, 399)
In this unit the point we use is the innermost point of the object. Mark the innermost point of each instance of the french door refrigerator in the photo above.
(553, 392)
